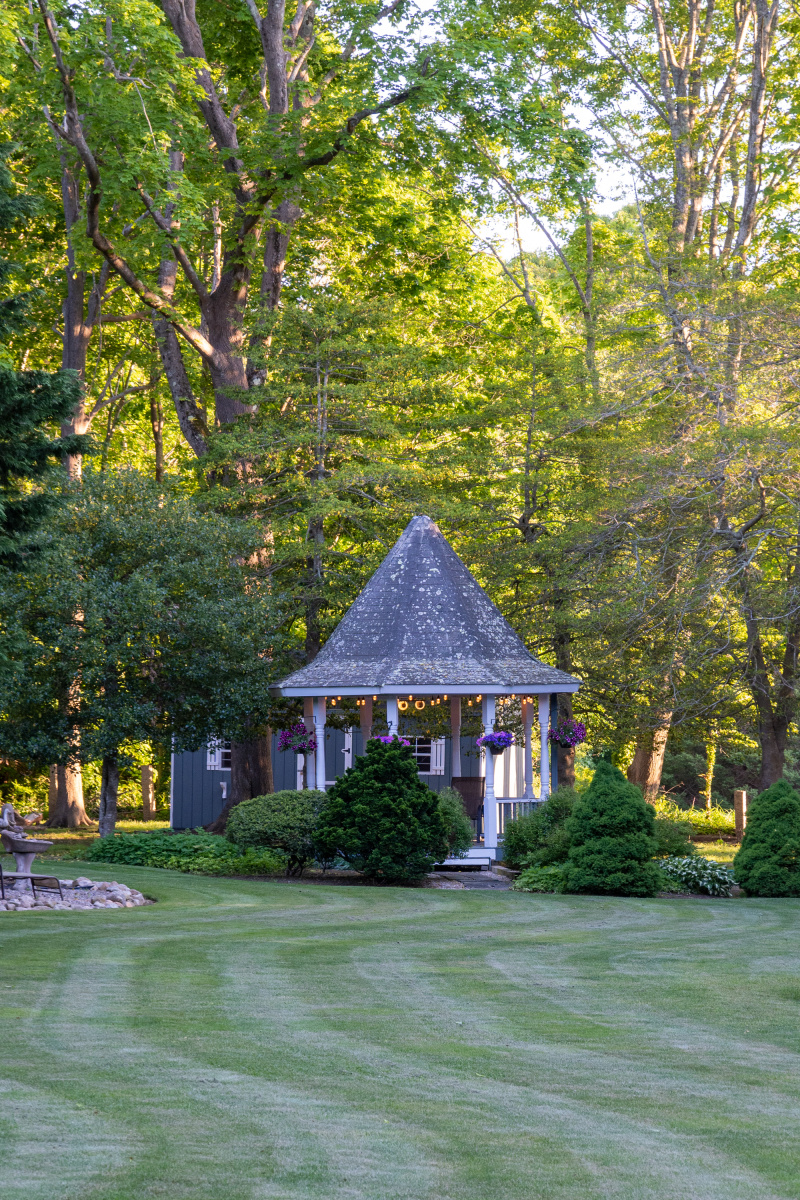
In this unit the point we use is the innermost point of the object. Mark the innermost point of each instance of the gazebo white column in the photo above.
(489, 802)
(527, 720)
(309, 768)
(319, 730)
(544, 748)
(455, 733)
(391, 715)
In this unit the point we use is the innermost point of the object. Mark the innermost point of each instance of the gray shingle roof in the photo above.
(424, 621)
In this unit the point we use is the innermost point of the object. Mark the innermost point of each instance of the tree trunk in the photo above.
(68, 810)
(251, 775)
(648, 760)
(773, 753)
(566, 754)
(157, 423)
(109, 789)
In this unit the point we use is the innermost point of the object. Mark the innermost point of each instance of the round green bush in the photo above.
(284, 821)
(611, 839)
(459, 826)
(382, 819)
(539, 837)
(768, 863)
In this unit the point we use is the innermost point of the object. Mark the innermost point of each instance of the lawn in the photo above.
(246, 1039)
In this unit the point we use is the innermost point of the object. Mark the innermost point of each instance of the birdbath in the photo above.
(24, 850)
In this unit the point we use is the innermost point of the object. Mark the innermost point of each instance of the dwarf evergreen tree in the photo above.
(612, 839)
(768, 863)
(382, 819)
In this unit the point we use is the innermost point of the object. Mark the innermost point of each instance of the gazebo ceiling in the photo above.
(423, 624)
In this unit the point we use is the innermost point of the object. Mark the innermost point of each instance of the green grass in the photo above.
(276, 1041)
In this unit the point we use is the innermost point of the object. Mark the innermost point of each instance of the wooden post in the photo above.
(392, 715)
(740, 812)
(365, 719)
(455, 734)
(148, 793)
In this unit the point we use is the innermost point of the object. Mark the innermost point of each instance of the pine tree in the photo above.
(768, 863)
(382, 819)
(611, 839)
(29, 401)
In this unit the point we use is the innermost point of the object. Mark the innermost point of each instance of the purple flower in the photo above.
(568, 733)
(298, 738)
(387, 741)
(496, 742)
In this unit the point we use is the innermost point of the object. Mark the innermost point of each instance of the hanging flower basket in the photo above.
(388, 740)
(497, 742)
(298, 738)
(568, 733)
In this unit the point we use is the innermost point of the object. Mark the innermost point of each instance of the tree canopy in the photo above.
(532, 270)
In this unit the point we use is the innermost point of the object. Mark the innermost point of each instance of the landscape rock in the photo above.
(79, 893)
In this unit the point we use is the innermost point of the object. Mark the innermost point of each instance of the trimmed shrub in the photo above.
(768, 863)
(673, 838)
(382, 819)
(697, 874)
(284, 821)
(459, 826)
(540, 837)
(611, 839)
(200, 853)
(540, 879)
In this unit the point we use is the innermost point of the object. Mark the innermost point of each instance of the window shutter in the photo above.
(437, 756)
(213, 756)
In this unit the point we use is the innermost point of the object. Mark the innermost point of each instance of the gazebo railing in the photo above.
(507, 810)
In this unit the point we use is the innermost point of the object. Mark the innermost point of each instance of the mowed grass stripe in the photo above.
(247, 1039)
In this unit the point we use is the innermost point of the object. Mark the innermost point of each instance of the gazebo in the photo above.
(423, 627)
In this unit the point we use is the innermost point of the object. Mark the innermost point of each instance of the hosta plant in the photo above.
(698, 874)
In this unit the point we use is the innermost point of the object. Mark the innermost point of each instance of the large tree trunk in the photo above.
(648, 760)
(68, 810)
(109, 790)
(565, 754)
(251, 775)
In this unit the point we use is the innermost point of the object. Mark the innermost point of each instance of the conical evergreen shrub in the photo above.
(768, 863)
(611, 839)
(382, 819)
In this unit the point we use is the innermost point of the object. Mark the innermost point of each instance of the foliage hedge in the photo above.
(201, 853)
(382, 819)
(612, 841)
(768, 863)
(539, 837)
(714, 820)
(540, 879)
(285, 821)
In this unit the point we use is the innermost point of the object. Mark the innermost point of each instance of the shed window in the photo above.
(218, 757)
(429, 754)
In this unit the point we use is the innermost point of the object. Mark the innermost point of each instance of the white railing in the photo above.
(509, 810)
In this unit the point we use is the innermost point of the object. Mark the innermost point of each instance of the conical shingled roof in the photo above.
(423, 621)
